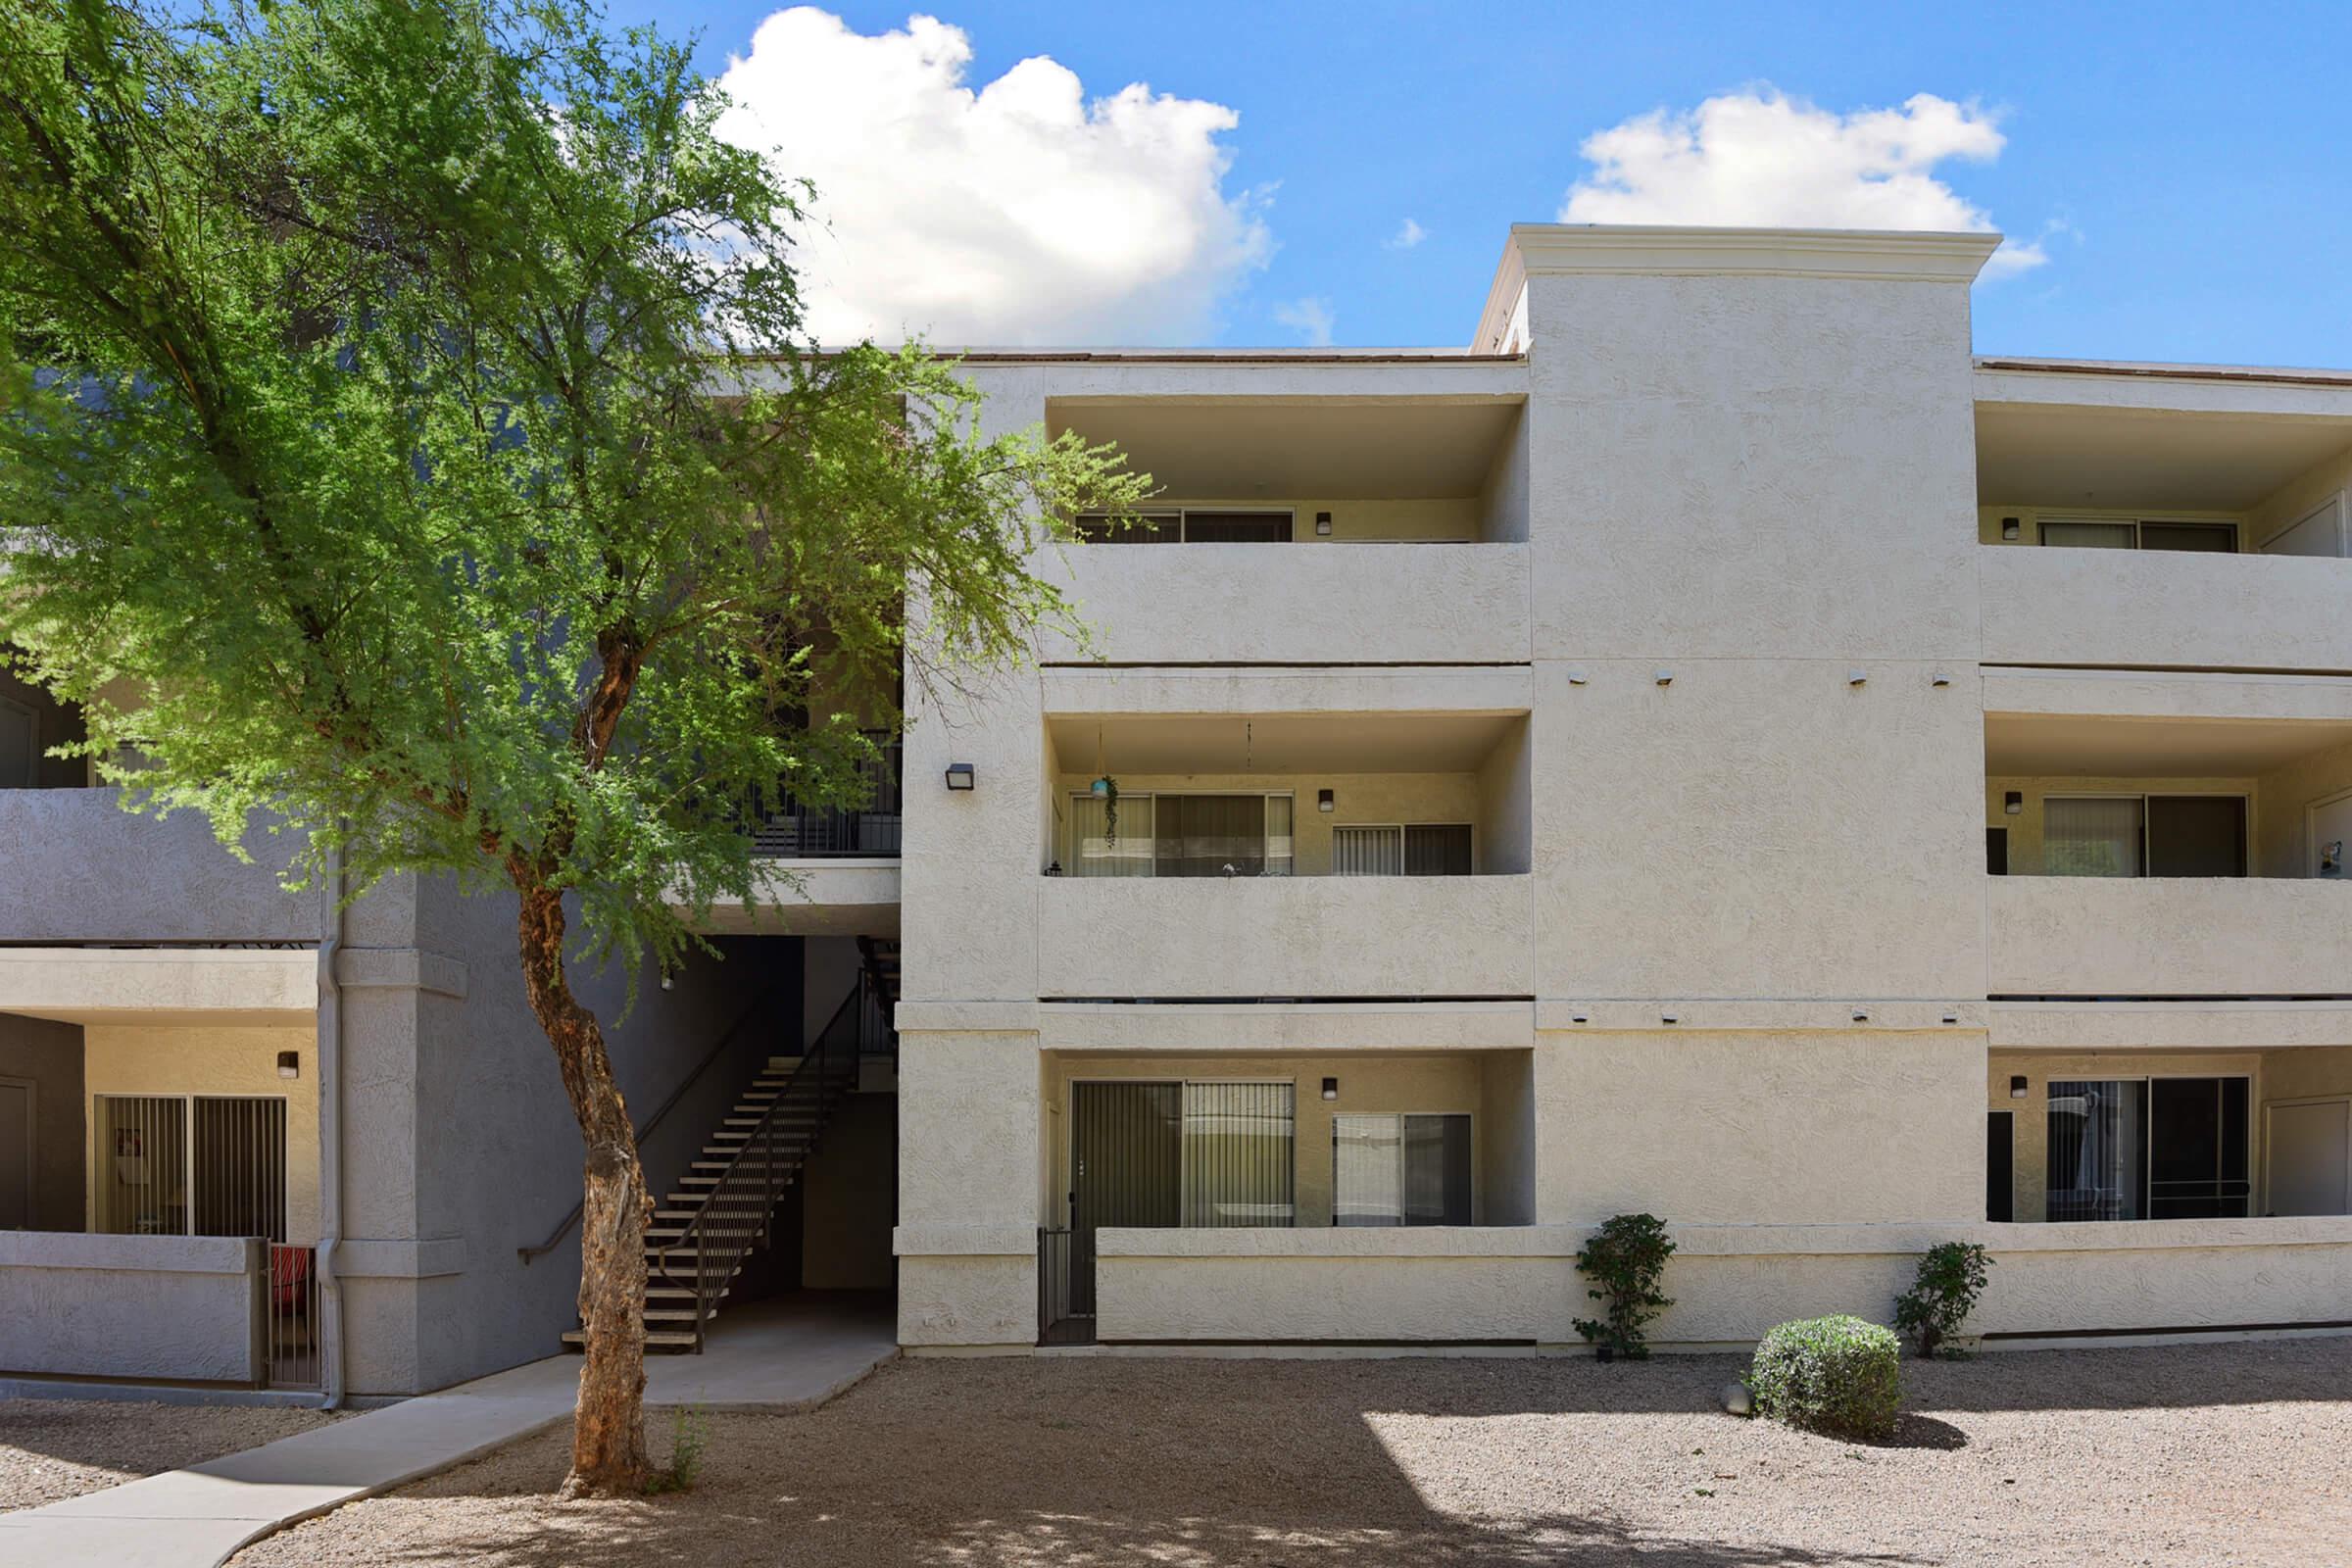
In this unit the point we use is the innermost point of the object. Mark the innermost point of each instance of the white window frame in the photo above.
(187, 1140)
(1399, 1116)
(1073, 842)
(2143, 796)
(2136, 523)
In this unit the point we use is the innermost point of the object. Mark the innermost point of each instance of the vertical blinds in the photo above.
(1240, 1159)
(1180, 835)
(2091, 836)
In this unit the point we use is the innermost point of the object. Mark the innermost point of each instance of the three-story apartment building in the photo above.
(1713, 748)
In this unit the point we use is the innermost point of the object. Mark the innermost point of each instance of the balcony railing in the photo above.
(2157, 608)
(2160, 937)
(797, 831)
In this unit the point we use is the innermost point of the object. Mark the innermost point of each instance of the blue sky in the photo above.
(2184, 178)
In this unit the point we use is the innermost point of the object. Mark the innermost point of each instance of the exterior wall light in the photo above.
(960, 776)
(1577, 677)
(1331, 1089)
(1323, 523)
(2017, 1086)
(1939, 678)
(2013, 803)
(1323, 800)
(1861, 1016)
(289, 1065)
(1856, 678)
(1580, 1017)
(1670, 1017)
(1665, 677)
(2009, 528)
(1951, 1017)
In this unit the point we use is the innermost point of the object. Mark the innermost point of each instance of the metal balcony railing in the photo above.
(797, 831)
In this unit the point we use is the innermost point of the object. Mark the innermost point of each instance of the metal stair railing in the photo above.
(738, 1213)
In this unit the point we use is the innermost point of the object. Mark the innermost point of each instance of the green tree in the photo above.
(405, 429)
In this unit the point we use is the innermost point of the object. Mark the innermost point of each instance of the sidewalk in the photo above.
(782, 1357)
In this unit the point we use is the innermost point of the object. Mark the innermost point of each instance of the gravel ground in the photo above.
(2219, 1454)
(51, 1449)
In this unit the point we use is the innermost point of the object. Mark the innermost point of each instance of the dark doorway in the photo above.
(2000, 1166)
(1126, 1164)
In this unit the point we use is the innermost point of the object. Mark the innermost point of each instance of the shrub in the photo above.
(1951, 1276)
(1626, 1260)
(1838, 1375)
(689, 1433)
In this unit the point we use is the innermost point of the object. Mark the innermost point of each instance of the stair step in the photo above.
(668, 1342)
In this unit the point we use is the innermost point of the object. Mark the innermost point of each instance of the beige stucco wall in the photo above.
(2080, 936)
(1730, 1284)
(2289, 792)
(2026, 828)
(130, 1060)
(1759, 1127)
(1385, 1084)
(2154, 608)
(1356, 798)
(1451, 603)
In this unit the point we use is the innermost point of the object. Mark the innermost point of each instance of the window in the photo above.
(190, 1165)
(1411, 849)
(2089, 533)
(1190, 527)
(1200, 1155)
(2143, 835)
(1996, 852)
(2149, 1149)
(1180, 835)
(1401, 1170)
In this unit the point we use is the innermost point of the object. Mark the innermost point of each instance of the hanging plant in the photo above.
(1108, 789)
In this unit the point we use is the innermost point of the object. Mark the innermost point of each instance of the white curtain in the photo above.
(1278, 835)
(1367, 851)
(2091, 836)
(2097, 1149)
(1367, 1170)
(1094, 851)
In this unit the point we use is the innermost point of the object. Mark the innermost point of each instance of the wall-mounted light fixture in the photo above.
(1580, 1017)
(1856, 678)
(1670, 1017)
(1323, 523)
(2013, 803)
(1861, 1016)
(1331, 1089)
(1939, 678)
(289, 1065)
(960, 776)
(1577, 677)
(1664, 677)
(2017, 1086)
(1951, 1017)
(2009, 528)
(1323, 800)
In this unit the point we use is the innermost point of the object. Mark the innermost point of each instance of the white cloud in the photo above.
(1312, 319)
(1763, 158)
(1021, 213)
(1409, 235)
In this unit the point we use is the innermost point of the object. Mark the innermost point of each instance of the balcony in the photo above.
(2158, 937)
(76, 866)
(799, 831)
(2153, 609)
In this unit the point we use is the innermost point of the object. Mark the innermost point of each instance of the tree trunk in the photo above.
(608, 1440)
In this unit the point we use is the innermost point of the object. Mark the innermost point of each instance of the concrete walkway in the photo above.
(789, 1354)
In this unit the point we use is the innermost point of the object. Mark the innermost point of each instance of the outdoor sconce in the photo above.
(1577, 677)
(1664, 677)
(1323, 523)
(289, 1065)
(960, 775)
(2009, 528)
(1323, 800)
(2013, 803)
(1856, 678)
(1860, 1016)
(1580, 1017)
(1939, 678)
(1670, 1017)
(2017, 1086)
(1331, 1089)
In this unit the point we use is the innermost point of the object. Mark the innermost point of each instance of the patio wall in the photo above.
(1730, 1283)
(182, 1308)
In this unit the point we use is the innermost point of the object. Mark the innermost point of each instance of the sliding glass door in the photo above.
(2149, 1148)
(1401, 1170)
(1180, 835)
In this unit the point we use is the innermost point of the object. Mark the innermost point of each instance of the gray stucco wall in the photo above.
(49, 1055)
(178, 1307)
(459, 1146)
(76, 866)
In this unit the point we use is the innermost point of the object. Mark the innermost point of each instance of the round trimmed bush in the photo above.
(1838, 1375)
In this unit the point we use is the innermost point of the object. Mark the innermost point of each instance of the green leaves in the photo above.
(404, 427)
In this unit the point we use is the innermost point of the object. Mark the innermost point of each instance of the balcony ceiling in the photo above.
(1330, 449)
(2044, 455)
(1282, 743)
(2071, 746)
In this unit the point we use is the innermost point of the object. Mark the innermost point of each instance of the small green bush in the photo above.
(1626, 1260)
(689, 1433)
(1951, 1276)
(1838, 1375)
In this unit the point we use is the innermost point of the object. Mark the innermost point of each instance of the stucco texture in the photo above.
(76, 866)
(2070, 936)
(154, 1307)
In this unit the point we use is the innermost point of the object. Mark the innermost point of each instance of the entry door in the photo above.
(16, 1154)
(1126, 1168)
(2311, 1158)
(2000, 1166)
(2331, 824)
